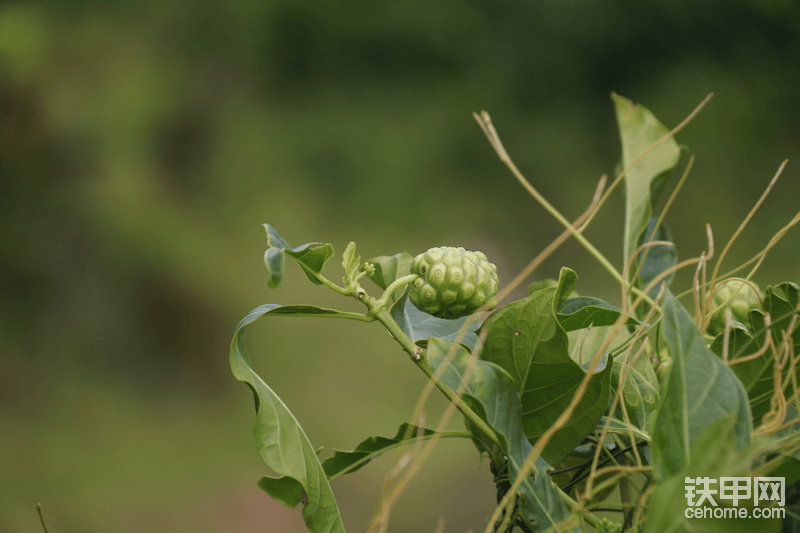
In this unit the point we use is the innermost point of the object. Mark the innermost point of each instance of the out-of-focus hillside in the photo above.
(142, 145)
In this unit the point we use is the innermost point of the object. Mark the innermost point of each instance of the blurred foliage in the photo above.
(142, 144)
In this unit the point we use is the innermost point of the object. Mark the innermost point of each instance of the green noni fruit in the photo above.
(737, 296)
(453, 282)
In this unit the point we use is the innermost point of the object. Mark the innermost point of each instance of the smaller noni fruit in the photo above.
(737, 296)
(453, 282)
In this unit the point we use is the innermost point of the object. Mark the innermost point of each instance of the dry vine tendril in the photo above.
(571, 398)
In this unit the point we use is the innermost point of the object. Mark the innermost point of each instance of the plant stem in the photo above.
(378, 310)
(572, 505)
(41, 517)
(396, 284)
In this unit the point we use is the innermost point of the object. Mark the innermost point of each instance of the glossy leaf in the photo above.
(701, 390)
(281, 441)
(491, 393)
(347, 462)
(639, 129)
(585, 311)
(526, 340)
(311, 257)
(419, 325)
(389, 268)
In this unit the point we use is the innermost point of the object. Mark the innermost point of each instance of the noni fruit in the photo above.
(737, 296)
(453, 282)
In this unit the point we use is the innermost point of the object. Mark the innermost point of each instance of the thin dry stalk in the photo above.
(381, 522)
(743, 225)
(672, 133)
(663, 214)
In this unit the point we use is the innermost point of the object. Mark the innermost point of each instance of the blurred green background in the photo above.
(142, 144)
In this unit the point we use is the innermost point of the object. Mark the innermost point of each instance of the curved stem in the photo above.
(572, 505)
(341, 290)
(396, 284)
(378, 310)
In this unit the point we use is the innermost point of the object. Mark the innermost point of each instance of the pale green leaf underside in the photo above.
(419, 325)
(281, 441)
(639, 129)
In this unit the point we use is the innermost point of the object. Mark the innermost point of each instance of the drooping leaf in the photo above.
(714, 454)
(390, 268)
(491, 394)
(701, 390)
(347, 462)
(639, 129)
(419, 325)
(526, 340)
(311, 257)
(281, 441)
(585, 311)
(656, 259)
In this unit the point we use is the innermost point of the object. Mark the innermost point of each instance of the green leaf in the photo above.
(389, 268)
(701, 390)
(526, 340)
(281, 441)
(541, 284)
(350, 264)
(347, 462)
(419, 325)
(715, 453)
(491, 394)
(657, 259)
(639, 129)
(640, 393)
(585, 311)
(311, 257)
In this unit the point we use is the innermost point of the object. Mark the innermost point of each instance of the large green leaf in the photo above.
(584, 311)
(638, 130)
(419, 325)
(347, 462)
(757, 375)
(281, 441)
(491, 393)
(701, 390)
(715, 453)
(311, 257)
(526, 340)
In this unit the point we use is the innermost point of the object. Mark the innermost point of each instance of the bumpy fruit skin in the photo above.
(453, 282)
(743, 299)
